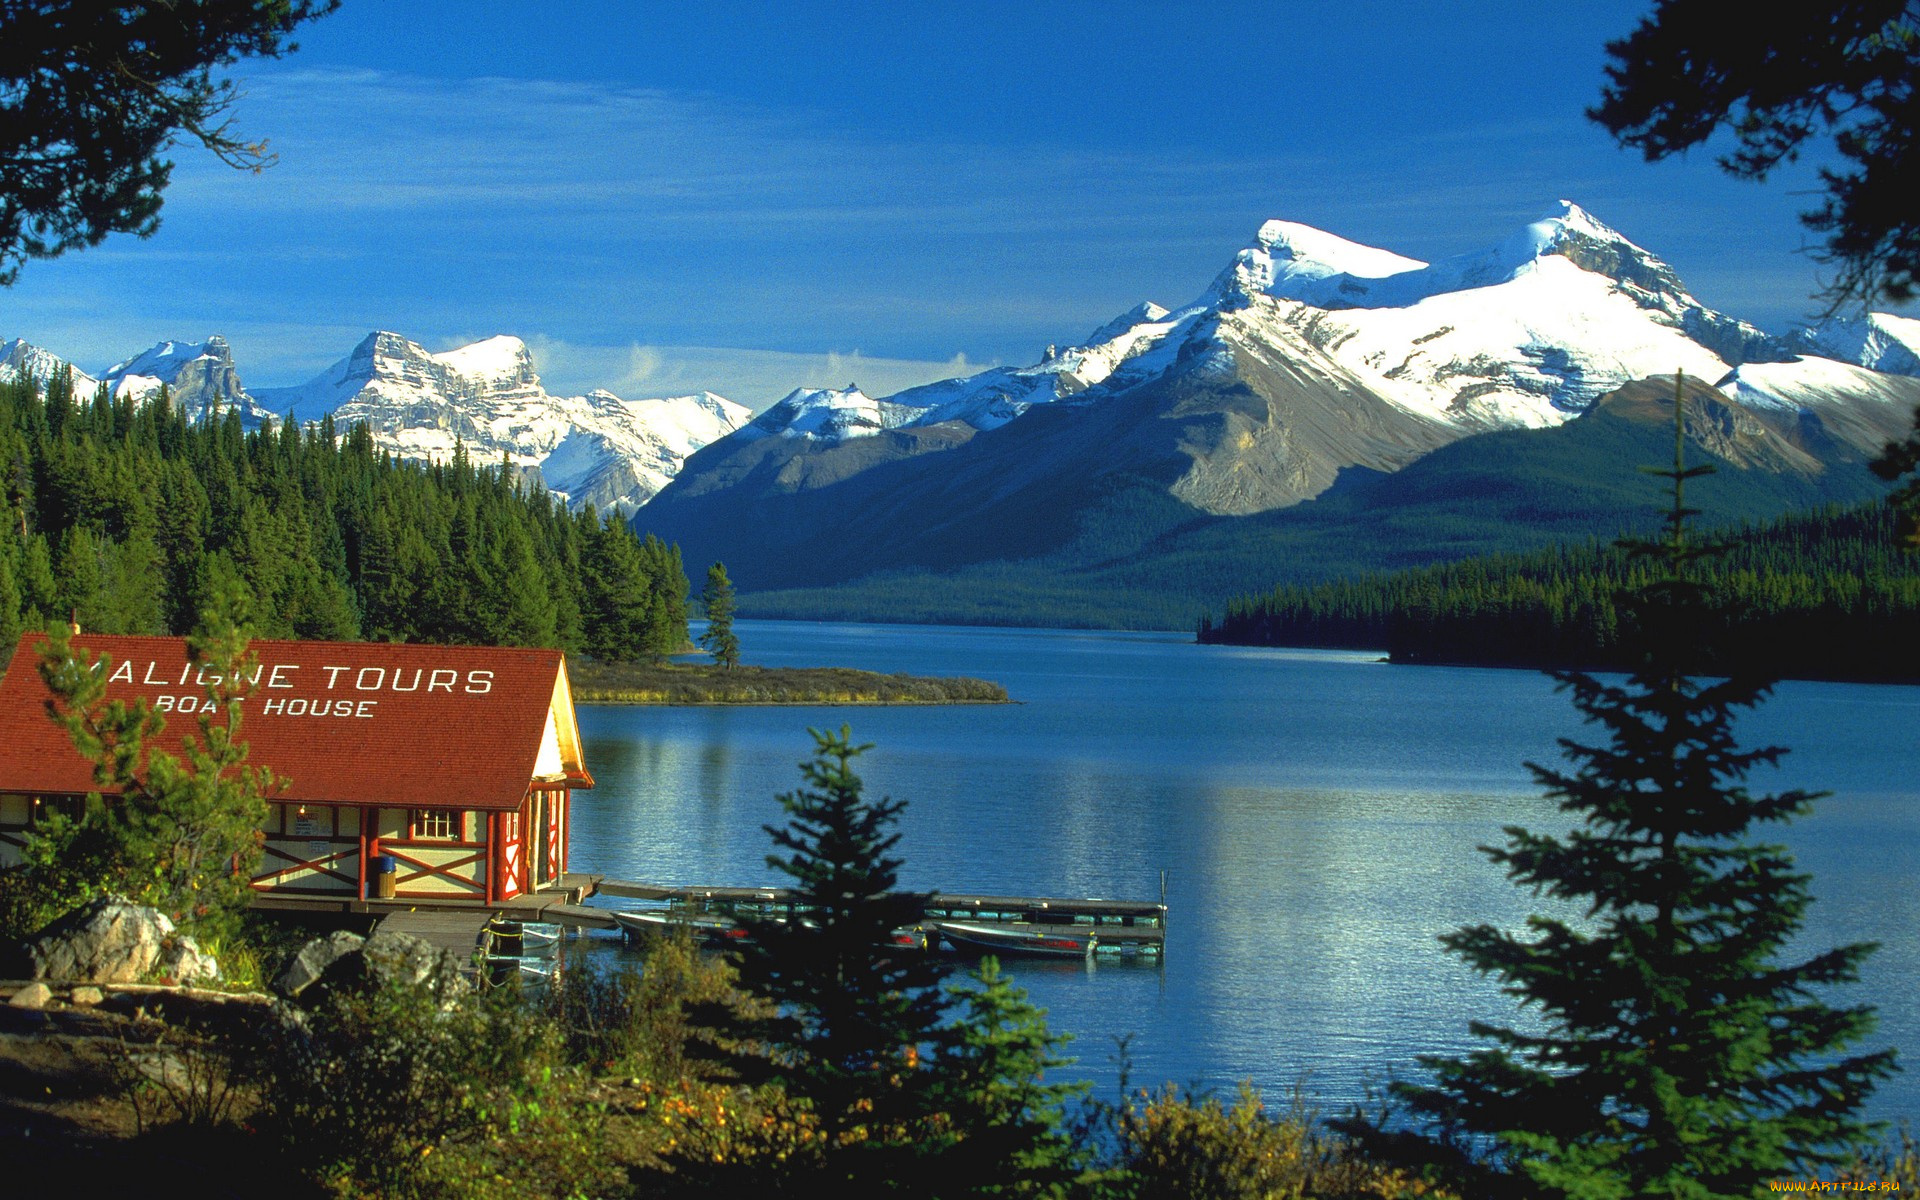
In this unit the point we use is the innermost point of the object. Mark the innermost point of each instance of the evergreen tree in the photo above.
(184, 520)
(851, 1026)
(135, 586)
(82, 594)
(39, 592)
(94, 95)
(850, 1013)
(527, 615)
(1677, 1055)
(665, 625)
(10, 615)
(183, 831)
(1003, 1120)
(147, 516)
(717, 597)
(618, 593)
(317, 605)
(1844, 69)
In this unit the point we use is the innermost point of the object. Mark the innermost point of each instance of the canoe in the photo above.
(1055, 942)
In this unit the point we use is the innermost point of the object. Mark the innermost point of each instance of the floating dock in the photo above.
(1132, 928)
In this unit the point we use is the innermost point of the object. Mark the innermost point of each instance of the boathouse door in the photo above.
(542, 849)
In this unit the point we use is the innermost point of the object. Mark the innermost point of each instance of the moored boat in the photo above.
(705, 927)
(1053, 942)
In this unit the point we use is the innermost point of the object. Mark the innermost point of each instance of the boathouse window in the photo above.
(435, 823)
(307, 820)
(71, 807)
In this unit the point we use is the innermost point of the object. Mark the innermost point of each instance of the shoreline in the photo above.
(614, 701)
(698, 684)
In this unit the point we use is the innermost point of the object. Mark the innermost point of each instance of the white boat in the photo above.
(705, 927)
(1064, 941)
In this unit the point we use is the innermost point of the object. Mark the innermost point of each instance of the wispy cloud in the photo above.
(607, 217)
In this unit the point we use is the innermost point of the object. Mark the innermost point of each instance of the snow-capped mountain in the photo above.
(986, 400)
(1878, 341)
(199, 377)
(20, 359)
(1308, 357)
(598, 448)
(833, 414)
(1525, 334)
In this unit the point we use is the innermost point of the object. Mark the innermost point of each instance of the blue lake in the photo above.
(1316, 813)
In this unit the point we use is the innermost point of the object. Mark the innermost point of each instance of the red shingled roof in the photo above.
(347, 722)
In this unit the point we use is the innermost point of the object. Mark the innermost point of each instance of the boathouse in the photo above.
(439, 774)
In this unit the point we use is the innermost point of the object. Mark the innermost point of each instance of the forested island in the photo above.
(1828, 594)
(700, 683)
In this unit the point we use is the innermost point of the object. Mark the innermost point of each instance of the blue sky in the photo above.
(750, 197)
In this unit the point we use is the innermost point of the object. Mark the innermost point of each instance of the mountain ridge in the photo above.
(1311, 369)
(485, 397)
(1254, 399)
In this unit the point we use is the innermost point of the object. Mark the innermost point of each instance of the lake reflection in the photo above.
(1316, 814)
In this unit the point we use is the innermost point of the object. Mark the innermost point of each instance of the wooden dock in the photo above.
(1128, 928)
(455, 923)
(559, 904)
(460, 933)
(1122, 927)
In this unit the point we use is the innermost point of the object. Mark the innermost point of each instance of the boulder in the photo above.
(389, 958)
(86, 996)
(110, 940)
(34, 995)
(315, 959)
(183, 961)
(393, 957)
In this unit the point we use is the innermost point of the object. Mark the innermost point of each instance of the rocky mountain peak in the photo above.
(199, 376)
(1291, 261)
(1877, 341)
(1144, 313)
(1573, 234)
(487, 396)
(830, 413)
(21, 359)
(498, 363)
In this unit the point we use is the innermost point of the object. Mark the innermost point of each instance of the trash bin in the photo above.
(386, 873)
(509, 939)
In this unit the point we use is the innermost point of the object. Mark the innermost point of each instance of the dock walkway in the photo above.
(1121, 926)
(559, 904)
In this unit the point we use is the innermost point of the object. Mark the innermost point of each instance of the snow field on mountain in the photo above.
(1525, 334)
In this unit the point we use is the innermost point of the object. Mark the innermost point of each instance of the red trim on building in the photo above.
(408, 728)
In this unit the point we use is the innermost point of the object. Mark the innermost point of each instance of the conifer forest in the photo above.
(126, 518)
(1828, 594)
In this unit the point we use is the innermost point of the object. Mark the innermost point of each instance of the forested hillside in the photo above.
(1828, 594)
(126, 518)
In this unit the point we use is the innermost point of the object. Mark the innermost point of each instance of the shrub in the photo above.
(364, 1089)
(632, 1019)
(184, 1077)
(1176, 1145)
